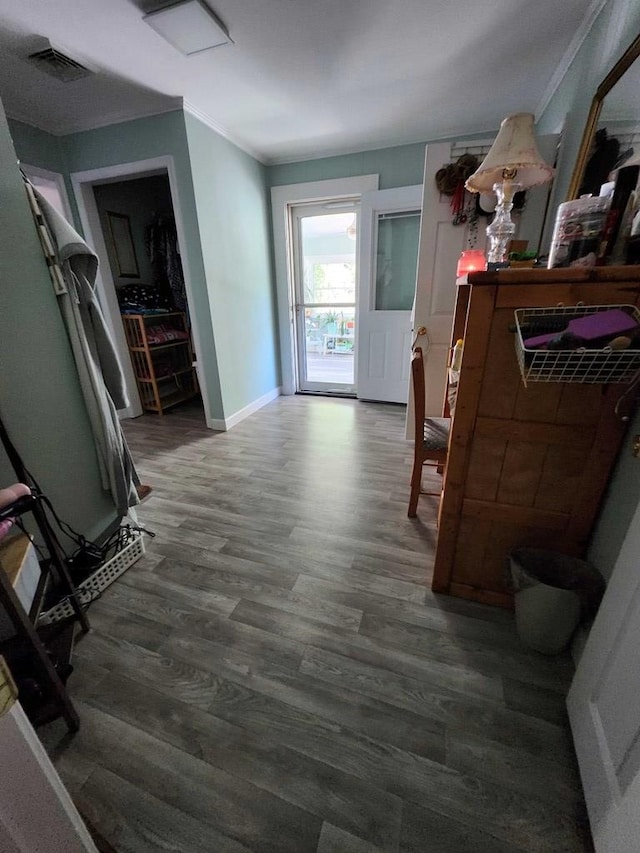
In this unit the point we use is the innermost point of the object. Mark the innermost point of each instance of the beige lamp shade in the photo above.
(515, 151)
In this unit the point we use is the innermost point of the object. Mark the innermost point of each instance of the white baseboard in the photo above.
(218, 424)
(224, 424)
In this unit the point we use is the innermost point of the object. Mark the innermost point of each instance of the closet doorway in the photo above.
(130, 217)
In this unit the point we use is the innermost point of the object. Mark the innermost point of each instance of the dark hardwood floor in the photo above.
(275, 674)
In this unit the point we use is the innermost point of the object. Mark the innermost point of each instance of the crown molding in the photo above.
(569, 55)
(468, 137)
(222, 131)
(339, 152)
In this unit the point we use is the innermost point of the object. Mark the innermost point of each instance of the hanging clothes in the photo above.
(162, 247)
(97, 363)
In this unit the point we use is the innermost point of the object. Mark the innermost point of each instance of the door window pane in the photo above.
(329, 340)
(328, 258)
(396, 261)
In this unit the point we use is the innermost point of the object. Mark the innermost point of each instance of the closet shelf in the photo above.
(155, 365)
(172, 400)
(157, 347)
(166, 375)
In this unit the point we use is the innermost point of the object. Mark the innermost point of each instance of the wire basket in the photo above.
(571, 365)
(103, 577)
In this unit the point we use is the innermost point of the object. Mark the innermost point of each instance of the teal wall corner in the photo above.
(234, 225)
(130, 142)
(36, 147)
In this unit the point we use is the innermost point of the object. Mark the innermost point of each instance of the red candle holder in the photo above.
(471, 260)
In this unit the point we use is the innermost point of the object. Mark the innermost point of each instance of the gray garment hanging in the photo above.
(97, 362)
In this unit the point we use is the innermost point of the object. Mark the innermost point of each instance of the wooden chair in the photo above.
(431, 435)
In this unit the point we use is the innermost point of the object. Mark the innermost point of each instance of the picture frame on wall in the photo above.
(123, 249)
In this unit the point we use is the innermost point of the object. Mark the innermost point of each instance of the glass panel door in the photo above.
(324, 243)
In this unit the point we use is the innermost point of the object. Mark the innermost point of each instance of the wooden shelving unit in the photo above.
(164, 371)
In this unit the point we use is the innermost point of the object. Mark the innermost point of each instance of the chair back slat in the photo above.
(417, 378)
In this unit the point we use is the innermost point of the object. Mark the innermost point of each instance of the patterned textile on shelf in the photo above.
(140, 298)
(163, 334)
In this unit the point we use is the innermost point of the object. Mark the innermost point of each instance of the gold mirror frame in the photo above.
(619, 69)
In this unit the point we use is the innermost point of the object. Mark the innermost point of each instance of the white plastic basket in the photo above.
(571, 365)
(99, 580)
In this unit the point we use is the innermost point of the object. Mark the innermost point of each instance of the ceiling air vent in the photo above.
(57, 64)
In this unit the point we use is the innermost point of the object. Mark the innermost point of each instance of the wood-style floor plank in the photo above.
(353, 804)
(275, 674)
(231, 806)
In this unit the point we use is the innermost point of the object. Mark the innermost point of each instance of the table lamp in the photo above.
(512, 164)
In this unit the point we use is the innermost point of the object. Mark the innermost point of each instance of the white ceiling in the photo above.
(305, 78)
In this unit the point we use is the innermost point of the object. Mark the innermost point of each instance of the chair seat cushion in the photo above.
(436, 433)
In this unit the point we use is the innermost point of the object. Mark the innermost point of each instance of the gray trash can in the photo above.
(553, 592)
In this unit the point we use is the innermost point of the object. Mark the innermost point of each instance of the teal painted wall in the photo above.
(235, 233)
(400, 166)
(40, 398)
(36, 147)
(223, 197)
(129, 142)
(143, 139)
(612, 33)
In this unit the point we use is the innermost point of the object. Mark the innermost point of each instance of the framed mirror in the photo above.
(613, 125)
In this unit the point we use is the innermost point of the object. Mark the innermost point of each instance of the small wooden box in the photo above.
(19, 560)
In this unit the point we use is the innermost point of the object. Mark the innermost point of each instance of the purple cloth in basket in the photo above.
(592, 327)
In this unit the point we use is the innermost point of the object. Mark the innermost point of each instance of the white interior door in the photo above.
(440, 245)
(604, 708)
(36, 811)
(388, 254)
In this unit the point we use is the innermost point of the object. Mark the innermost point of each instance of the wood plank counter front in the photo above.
(526, 465)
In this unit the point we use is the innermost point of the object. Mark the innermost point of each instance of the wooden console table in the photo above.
(526, 465)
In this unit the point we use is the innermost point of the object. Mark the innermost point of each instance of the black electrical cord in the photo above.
(86, 550)
(88, 556)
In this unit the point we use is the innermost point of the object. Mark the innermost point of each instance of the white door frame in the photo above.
(58, 179)
(82, 183)
(297, 213)
(282, 198)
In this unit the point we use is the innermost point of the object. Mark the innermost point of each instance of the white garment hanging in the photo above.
(97, 363)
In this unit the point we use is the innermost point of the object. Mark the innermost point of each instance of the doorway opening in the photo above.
(324, 266)
(131, 219)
